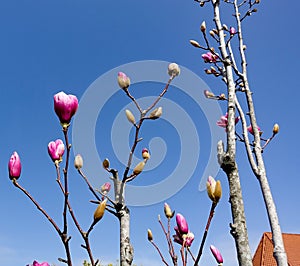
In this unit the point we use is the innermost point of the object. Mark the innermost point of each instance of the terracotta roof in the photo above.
(264, 252)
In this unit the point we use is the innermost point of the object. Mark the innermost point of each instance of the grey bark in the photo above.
(257, 165)
(123, 214)
(227, 159)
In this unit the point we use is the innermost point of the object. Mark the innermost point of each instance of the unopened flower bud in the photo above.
(14, 166)
(173, 70)
(207, 71)
(244, 47)
(225, 27)
(150, 235)
(232, 30)
(99, 212)
(275, 129)
(105, 188)
(78, 162)
(212, 34)
(139, 168)
(130, 116)
(145, 154)
(222, 96)
(215, 31)
(168, 212)
(105, 163)
(254, 10)
(208, 94)
(202, 3)
(257, 1)
(156, 113)
(195, 43)
(123, 80)
(203, 26)
(218, 191)
(182, 224)
(213, 70)
(217, 254)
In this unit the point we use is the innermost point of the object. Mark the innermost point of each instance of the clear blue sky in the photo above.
(51, 46)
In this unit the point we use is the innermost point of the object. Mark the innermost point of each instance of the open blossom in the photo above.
(210, 57)
(185, 239)
(14, 166)
(223, 122)
(56, 150)
(216, 253)
(65, 106)
(35, 263)
(250, 130)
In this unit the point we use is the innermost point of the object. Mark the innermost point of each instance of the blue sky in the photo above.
(55, 45)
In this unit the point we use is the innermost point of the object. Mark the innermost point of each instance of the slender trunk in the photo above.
(238, 227)
(123, 214)
(279, 251)
(227, 160)
(259, 169)
(126, 249)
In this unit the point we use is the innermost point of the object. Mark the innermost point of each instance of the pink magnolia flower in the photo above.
(123, 80)
(216, 253)
(250, 130)
(105, 188)
(232, 30)
(182, 224)
(185, 239)
(65, 106)
(224, 120)
(14, 166)
(210, 57)
(56, 150)
(35, 263)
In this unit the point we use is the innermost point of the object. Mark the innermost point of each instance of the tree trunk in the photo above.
(123, 213)
(238, 227)
(126, 249)
(227, 160)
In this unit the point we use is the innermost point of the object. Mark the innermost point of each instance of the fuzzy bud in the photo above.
(218, 191)
(150, 235)
(139, 168)
(225, 27)
(168, 212)
(105, 163)
(195, 43)
(123, 80)
(203, 26)
(130, 116)
(99, 212)
(156, 113)
(78, 162)
(208, 94)
(173, 70)
(145, 154)
(275, 129)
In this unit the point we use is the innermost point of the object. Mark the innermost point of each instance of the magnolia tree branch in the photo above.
(279, 251)
(228, 162)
